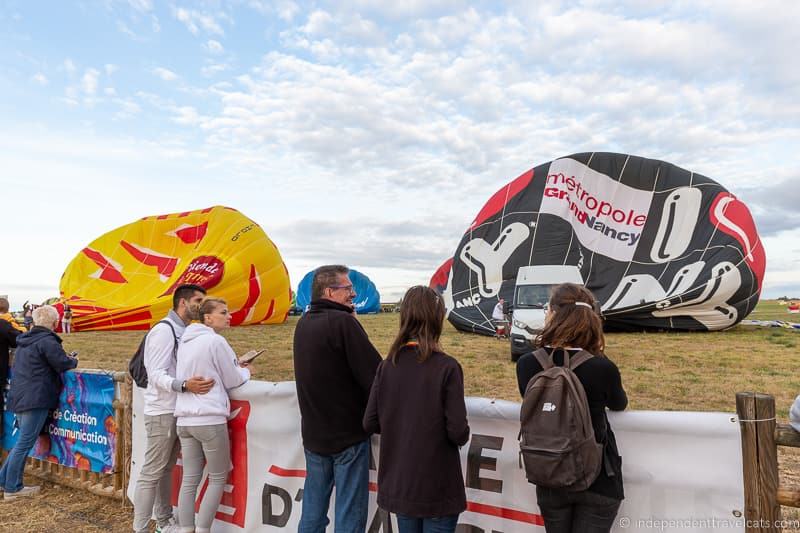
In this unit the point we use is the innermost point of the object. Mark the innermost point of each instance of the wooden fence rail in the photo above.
(761, 436)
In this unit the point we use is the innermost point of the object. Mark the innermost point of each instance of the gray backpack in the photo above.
(557, 445)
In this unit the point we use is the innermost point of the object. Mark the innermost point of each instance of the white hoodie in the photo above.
(202, 352)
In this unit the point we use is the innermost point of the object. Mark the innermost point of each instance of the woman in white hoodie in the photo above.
(202, 418)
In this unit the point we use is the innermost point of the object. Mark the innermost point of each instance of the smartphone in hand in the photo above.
(249, 356)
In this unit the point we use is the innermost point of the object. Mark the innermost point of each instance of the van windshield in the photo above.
(533, 296)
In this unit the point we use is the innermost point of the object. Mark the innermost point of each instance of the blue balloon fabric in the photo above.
(367, 299)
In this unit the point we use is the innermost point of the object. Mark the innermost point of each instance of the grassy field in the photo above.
(663, 371)
(660, 371)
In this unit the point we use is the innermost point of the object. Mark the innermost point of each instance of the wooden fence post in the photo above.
(756, 414)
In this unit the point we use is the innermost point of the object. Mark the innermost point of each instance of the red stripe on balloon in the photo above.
(163, 264)
(192, 234)
(108, 272)
(254, 291)
(501, 197)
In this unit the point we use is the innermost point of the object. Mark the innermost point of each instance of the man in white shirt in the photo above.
(154, 485)
(499, 319)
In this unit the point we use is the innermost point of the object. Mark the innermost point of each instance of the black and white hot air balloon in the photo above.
(659, 246)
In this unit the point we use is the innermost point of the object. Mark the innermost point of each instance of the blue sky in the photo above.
(372, 134)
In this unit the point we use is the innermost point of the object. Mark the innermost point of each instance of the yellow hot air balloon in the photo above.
(124, 279)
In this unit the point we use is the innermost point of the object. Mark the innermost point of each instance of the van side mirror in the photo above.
(508, 308)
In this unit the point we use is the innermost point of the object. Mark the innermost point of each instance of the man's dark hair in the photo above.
(324, 277)
(185, 292)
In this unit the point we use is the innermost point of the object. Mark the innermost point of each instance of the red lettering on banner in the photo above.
(234, 499)
(473, 507)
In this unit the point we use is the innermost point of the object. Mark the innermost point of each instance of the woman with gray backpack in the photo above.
(566, 443)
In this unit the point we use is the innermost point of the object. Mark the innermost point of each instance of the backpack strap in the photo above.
(174, 336)
(544, 359)
(578, 359)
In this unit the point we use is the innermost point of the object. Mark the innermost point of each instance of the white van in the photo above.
(531, 295)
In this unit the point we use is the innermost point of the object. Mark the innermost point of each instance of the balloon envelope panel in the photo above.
(124, 279)
(659, 246)
(367, 299)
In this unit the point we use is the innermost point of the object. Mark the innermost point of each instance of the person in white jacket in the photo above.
(154, 486)
(202, 419)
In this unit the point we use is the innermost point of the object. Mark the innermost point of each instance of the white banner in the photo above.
(682, 470)
(607, 216)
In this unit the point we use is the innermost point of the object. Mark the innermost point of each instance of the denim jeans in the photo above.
(348, 471)
(576, 512)
(30, 424)
(440, 524)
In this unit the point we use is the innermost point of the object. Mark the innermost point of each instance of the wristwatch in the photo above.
(183, 386)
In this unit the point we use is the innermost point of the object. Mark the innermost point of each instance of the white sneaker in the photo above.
(169, 528)
(25, 491)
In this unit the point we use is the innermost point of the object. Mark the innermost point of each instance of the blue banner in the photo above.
(81, 433)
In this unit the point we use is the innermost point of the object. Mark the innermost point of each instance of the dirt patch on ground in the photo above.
(60, 508)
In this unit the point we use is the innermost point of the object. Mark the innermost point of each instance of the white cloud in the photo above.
(215, 47)
(165, 74)
(40, 78)
(186, 115)
(194, 20)
(110, 68)
(69, 66)
(213, 68)
(141, 5)
(127, 108)
(89, 81)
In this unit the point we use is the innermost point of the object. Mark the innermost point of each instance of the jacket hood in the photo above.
(36, 334)
(194, 331)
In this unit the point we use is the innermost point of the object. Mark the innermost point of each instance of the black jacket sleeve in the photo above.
(371, 421)
(527, 367)
(455, 409)
(361, 355)
(9, 333)
(617, 399)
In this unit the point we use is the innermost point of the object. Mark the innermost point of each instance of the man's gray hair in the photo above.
(324, 277)
(45, 315)
(4, 305)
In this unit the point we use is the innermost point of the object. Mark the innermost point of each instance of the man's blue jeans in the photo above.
(30, 425)
(348, 471)
(441, 524)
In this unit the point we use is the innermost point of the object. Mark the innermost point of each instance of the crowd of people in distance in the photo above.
(414, 399)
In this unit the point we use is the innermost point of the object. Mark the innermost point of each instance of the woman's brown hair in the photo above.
(574, 320)
(421, 319)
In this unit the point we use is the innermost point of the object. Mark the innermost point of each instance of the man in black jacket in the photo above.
(8, 339)
(334, 365)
